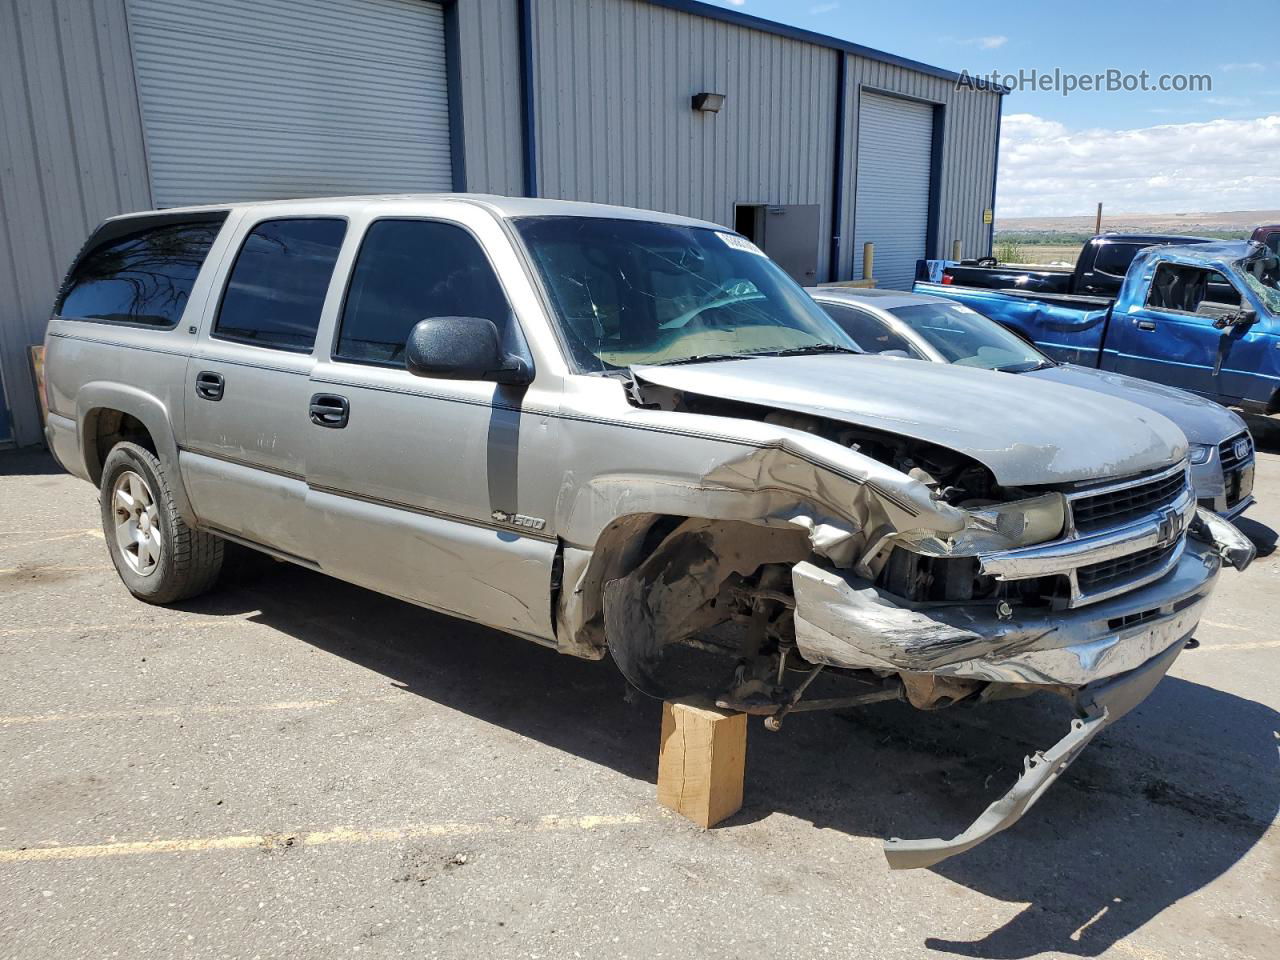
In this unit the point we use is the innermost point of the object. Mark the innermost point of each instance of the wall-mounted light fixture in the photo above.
(708, 102)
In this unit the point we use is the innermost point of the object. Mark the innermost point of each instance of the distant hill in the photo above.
(1228, 222)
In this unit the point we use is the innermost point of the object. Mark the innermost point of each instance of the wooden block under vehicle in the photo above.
(702, 761)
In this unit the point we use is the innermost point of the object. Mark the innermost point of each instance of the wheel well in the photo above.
(105, 428)
(629, 541)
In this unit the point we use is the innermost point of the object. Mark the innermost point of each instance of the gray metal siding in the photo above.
(262, 99)
(71, 154)
(614, 124)
(895, 165)
(489, 74)
(966, 175)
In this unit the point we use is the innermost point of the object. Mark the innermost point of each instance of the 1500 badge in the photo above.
(519, 520)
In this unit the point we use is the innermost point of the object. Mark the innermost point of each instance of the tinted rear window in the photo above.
(141, 277)
(278, 284)
(1114, 258)
(870, 333)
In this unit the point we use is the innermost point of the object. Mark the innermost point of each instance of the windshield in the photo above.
(966, 337)
(1261, 274)
(633, 292)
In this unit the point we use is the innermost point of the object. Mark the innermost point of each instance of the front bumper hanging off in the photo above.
(1101, 704)
(1107, 656)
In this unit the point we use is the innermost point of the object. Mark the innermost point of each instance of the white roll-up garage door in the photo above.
(891, 207)
(260, 99)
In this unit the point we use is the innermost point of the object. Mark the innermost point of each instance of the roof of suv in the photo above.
(498, 205)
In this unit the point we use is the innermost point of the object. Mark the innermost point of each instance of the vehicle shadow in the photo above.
(28, 462)
(1266, 432)
(1262, 536)
(1162, 804)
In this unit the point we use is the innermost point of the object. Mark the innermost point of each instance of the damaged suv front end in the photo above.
(1131, 595)
(1084, 588)
(925, 532)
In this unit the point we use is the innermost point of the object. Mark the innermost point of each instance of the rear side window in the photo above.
(278, 284)
(412, 270)
(141, 277)
(1114, 258)
(870, 333)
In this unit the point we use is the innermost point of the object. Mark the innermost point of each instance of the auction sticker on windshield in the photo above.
(739, 243)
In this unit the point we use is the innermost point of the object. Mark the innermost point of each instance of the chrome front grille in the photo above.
(1235, 450)
(1119, 536)
(1115, 506)
(1098, 575)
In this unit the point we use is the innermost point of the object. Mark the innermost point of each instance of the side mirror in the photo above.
(1242, 318)
(462, 348)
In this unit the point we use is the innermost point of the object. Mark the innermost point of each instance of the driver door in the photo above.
(1171, 338)
(430, 489)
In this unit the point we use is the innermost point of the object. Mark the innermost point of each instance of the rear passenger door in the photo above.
(247, 389)
(429, 489)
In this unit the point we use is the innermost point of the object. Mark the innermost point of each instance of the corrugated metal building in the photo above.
(819, 144)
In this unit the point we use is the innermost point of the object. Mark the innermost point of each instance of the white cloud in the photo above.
(736, 3)
(1047, 169)
(986, 43)
(1251, 67)
(823, 8)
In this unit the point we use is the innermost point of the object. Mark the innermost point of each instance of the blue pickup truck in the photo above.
(1205, 318)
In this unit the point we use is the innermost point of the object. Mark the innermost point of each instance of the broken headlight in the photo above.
(1001, 526)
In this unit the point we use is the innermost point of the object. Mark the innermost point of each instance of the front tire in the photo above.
(157, 555)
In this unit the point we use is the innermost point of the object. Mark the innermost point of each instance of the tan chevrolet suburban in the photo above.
(606, 429)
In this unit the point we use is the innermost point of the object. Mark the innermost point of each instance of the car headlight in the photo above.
(1201, 452)
(1019, 524)
(1001, 526)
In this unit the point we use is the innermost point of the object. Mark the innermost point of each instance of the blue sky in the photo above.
(1216, 149)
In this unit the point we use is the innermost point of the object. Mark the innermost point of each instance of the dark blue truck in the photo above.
(1205, 318)
(1099, 271)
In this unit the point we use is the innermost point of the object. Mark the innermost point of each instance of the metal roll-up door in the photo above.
(260, 99)
(891, 208)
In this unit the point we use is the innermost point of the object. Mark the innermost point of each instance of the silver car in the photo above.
(921, 327)
(616, 431)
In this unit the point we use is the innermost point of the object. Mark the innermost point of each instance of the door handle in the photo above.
(1145, 324)
(209, 385)
(330, 410)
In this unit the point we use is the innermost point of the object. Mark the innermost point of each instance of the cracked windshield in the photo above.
(627, 292)
(1261, 274)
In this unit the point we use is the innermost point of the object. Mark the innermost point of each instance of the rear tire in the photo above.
(157, 555)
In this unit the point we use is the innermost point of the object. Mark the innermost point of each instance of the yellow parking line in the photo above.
(315, 838)
(1228, 626)
(56, 568)
(163, 624)
(131, 713)
(9, 530)
(1229, 647)
(63, 536)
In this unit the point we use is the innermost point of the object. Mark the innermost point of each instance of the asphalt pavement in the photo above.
(294, 767)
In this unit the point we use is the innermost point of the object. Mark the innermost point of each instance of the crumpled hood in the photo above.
(1203, 421)
(1027, 431)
